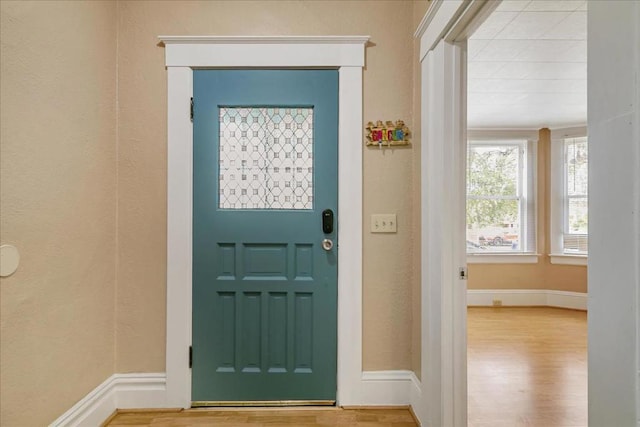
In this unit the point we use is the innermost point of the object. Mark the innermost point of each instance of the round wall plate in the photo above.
(9, 260)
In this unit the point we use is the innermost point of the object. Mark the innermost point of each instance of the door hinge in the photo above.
(191, 110)
(462, 273)
(190, 356)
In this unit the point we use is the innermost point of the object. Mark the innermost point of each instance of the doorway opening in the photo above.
(526, 214)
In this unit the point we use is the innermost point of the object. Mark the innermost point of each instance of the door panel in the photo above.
(264, 290)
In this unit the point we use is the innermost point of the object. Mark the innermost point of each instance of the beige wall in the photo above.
(57, 182)
(542, 275)
(388, 175)
(83, 187)
(87, 207)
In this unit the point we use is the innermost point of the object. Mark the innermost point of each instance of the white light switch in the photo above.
(383, 223)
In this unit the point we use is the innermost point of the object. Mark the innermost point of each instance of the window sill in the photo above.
(568, 259)
(502, 258)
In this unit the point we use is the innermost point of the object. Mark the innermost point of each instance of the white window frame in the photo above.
(559, 201)
(527, 140)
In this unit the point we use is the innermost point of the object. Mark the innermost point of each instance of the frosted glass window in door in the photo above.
(266, 158)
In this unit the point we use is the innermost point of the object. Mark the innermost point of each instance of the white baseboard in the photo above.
(129, 391)
(386, 388)
(563, 299)
(393, 388)
(93, 409)
(527, 297)
(141, 391)
(418, 405)
(119, 391)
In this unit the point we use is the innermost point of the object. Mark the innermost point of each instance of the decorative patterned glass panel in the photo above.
(266, 158)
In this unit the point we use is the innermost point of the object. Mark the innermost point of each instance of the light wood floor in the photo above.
(270, 418)
(526, 367)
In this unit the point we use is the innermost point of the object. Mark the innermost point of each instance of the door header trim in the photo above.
(264, 51)
(264, 39)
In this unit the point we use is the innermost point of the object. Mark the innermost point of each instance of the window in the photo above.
(500, 202)
(266, 158)
(576, 213)
(570, 196)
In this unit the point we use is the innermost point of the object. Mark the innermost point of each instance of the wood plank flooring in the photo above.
(267, 417)
(526, 367)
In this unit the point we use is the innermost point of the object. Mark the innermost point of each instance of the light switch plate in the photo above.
(384, 223)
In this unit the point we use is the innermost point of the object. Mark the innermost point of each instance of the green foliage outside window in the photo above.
(492, 185)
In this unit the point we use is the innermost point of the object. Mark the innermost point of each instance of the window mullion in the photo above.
(522, 214)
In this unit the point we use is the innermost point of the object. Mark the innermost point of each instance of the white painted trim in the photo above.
(393, 375)
(179, 235)
(417, 402)
(440, 17)
(93, 409)
(119, 391)
(214, 51)
(182, 55)
(426, 19)
(527, 298)
(443, 164)
(132, 391)
(565, 299)
(386, 387)
(140, 390)
(509, 297)
(571, 132)
(443, 242)
(268, 40)
(473, 258)
(350, 236)
(568, 259)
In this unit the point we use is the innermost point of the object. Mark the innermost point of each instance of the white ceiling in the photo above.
(528, 66)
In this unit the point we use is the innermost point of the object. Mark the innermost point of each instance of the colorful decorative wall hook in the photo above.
(388, 133)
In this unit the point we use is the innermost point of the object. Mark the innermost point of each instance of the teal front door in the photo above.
(264, 236)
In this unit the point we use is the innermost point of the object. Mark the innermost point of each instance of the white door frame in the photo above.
(182, 55)
(443, 33)
(614, 278)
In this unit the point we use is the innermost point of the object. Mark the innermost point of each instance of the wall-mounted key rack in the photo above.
(387, 134)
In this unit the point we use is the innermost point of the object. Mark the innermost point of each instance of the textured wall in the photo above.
(388, 179)
(613, 30)
(542, 275)
(57, 192)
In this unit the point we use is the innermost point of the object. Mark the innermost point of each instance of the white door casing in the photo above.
(182, 54)
(443, 33)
